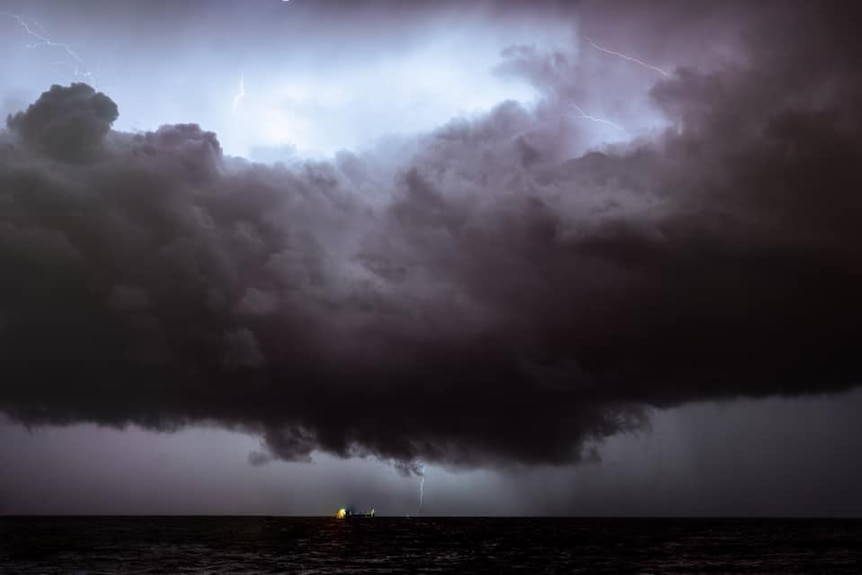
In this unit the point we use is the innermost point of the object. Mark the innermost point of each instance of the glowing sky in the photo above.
(572, 257)
(263, 75)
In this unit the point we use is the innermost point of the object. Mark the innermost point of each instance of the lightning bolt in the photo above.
(585, 116)
(421, 494)
(419, 469)
(637, 61)
(36, 31)
(239, 96)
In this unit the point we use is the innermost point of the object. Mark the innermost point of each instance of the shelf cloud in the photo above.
(471, 295)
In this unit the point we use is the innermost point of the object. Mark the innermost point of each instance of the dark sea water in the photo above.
(426, 545)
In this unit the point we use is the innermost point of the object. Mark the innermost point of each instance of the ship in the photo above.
(348, 513)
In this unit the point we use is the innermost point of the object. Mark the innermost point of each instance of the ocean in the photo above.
(149, 545)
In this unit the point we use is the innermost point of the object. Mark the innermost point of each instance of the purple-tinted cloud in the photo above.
(477, 297)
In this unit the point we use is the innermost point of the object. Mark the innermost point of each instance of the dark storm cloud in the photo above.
(66, 123)
(490, 302)
(408, 468)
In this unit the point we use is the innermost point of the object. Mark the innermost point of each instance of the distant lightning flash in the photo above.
(241, 93)
(585, 116)
(43, 40)
(581, 113)
(637, 61)
(36, 31)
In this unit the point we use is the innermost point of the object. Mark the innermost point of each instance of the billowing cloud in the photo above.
(408, 468)
(477, 297)
(66, 123)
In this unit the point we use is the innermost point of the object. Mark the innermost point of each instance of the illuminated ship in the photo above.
(348, 513)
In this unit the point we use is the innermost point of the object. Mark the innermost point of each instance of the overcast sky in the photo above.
(552, 257)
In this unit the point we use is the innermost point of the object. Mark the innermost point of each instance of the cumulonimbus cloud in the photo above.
(477, 299)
